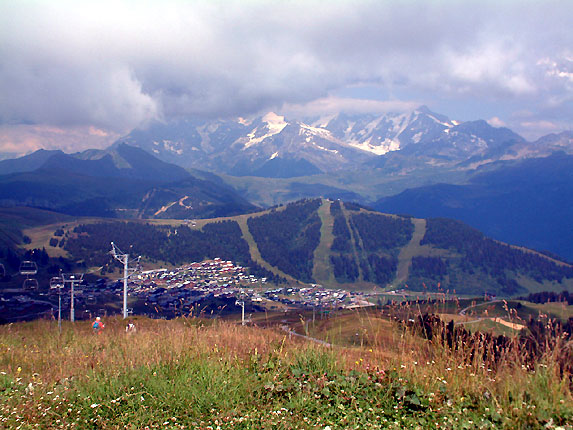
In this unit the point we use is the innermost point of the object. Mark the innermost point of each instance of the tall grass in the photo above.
(190, 373)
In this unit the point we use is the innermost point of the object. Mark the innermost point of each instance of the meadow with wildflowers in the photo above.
(212, 374)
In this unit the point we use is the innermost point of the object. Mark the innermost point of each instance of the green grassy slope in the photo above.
(374, 375)
(322, 271)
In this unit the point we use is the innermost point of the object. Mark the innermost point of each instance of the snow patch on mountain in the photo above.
(323, 121)
(371, 126)
(332, 151)
(325, 134)
(378, 148)
(400, 122)
(204, 132)
(273, 124)
(172, 146)
(350, 128)
(417, 137)
(244, 121)
(445, 124)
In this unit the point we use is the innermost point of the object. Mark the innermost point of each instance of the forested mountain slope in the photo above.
(526, 203)
(356, 248)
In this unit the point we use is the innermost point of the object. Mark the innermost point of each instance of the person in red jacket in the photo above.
(98, 326)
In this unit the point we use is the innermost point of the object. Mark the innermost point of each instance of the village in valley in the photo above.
(209, 288)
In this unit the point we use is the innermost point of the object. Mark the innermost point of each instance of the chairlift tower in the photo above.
(241, 302)
(57, 282)
(123, 259)
(73, 279)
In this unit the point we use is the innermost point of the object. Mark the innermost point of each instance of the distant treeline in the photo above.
(378, 239)
(491, 257)
(287, 238)
(379, 269)
(377, 242)
(434, 268)
(340, 229)
(176, 245)
(344, 264)
(383, 232)
(549, 296)
(356, 207)
(344, 267)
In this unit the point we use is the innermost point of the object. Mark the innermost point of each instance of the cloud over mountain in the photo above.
(116, 64)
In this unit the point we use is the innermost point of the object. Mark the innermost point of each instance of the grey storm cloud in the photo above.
(116, 64)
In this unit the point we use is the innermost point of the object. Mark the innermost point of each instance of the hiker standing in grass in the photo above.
(130, 327)
(98, 326)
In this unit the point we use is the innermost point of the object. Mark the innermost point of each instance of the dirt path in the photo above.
(514, 326)
(290, 332)
(498, 320)
(407, 252)
(464, 310)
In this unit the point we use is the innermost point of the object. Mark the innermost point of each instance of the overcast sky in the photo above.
(77, 74)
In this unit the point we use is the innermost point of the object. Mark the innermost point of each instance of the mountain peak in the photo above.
(27, 163)
(273, 118)
(424, 109)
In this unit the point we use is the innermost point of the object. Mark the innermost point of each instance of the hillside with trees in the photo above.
(471, 254)
(287, 238)
(175, 245)
(359, 249)
(343, 259)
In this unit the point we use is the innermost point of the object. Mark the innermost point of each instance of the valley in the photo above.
(286, 215)
(405, 253)
(352, 263)
(319, 245)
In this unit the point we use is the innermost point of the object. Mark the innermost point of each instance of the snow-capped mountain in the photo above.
(274, 146)
(275, 140)
(243, 147)
(380, 134)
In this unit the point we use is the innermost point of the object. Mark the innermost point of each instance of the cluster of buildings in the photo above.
(187, 286)
(209, 274)
(213, 285)
(312, 297)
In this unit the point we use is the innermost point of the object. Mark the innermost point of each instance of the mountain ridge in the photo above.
(526, 202)
(122, 180)
(356, 248)
(337, 142)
